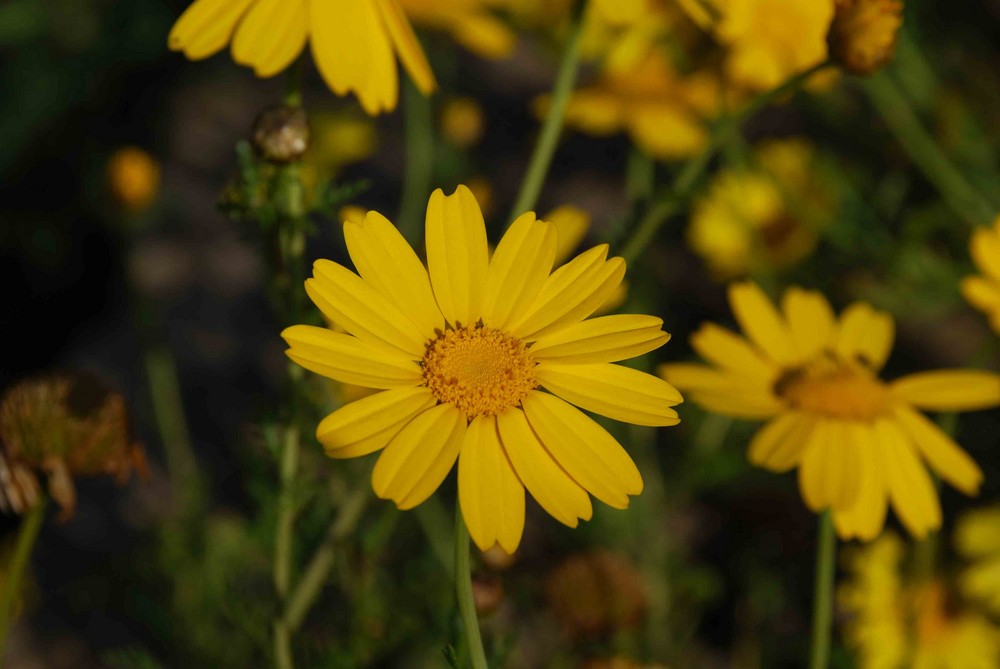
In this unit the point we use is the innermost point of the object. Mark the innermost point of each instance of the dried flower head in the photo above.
(863, 33)
(596, 593)
(281, 133)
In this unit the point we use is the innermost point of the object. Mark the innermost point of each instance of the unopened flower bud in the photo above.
(863, 33)
(133, 178)
(281, 134)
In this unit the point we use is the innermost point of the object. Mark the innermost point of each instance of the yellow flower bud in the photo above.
(462, 122)
(863, 33)
(133, 178)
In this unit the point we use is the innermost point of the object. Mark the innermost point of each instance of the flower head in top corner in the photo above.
(462, 350)
(983, 292)
(859, 443)
(354, 44)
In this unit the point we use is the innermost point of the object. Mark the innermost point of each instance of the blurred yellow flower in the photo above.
(662, 112)
(462, 121)
(468, 22)
(863, 34)
(857, 441)
(133, 178)
(622, 33)
(336, 141)
(977, 539)
(895, 623)
(354, 44)
(983, 292)
(461, 349)
(762, 218)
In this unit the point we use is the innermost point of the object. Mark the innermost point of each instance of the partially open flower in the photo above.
(60, 427)
(863, 33)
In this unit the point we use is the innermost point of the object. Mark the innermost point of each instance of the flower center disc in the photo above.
(480, 370)
(834, 389)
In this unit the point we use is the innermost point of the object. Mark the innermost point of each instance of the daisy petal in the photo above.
(336, 41)
(406, 45)
(725, 348)
(603, 339)
(387, 263)
(761, 322)
(347, 359)
(866, 517)
(206, 27)
(489, 491)
(722, 392)
(457, 254)
(942, 453)
(778, 446)
(614, 391)
(419, 458)
(985, 250)
(949, 390)
(981, 293)
(865, 333)
(910, 487)
(366, 425)
(584, 449)
(521, 263)
(552, 488)
(811, 321)
(271, 35)
(347, 300)
(830, 461)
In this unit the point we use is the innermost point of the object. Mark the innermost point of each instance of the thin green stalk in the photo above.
(639, 174)
(826, 553)
(671, 201)
(419, 161)
(898, 114)
(26, 537)
(283, 541)
(463, 588)
(168, 409)
(541, 158)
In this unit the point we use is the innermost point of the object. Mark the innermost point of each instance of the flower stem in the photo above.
(898, 114)
(283, 541)
(419, 174)
(671, 201)
(26, 538)
(826, 551)
(463, 588)
(541, 159)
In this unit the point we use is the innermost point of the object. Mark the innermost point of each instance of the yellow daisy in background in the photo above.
(468, 22)
(354, 44)
(977, 539)
(894, 621)
(461, 351)
(983, 292)
(763, 217)
(859, 443)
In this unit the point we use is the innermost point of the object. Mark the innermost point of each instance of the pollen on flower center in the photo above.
(480, 370)
(835, 389)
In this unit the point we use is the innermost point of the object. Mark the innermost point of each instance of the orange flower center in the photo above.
(834, 388)
(482, 371)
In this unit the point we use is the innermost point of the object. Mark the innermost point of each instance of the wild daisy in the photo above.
(859, 443)
(977, 539)
(462, 349)
(983, 292)
(354, 44)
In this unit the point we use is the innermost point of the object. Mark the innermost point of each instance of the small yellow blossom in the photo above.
(763, 217)
(354, 44)
(463, 121)
(977, 539)
(863, 34)
(133, 177)
(461, 350)
(468, 22)
(859, 443)
(983, 292)
(621, 34)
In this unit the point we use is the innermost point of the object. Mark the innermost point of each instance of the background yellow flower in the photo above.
(983, 292)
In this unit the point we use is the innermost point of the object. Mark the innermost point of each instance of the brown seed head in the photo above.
(281, 134)
(863, 33)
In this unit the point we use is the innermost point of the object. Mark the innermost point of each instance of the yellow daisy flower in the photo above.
(859, 443)
(354, 44)
(468, 22)
(983, 292)
(977, 538)
(462, 350)
(893, 622)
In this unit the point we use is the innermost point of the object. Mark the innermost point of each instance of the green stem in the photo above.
(819, 653)
(26, 537)
(419, 161)
(168, 409)
(671, 201)
(898, 114)
(541, 159)
(463, 588)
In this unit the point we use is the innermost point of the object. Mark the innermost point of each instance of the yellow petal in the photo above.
(981, 293)
(388, 264)
(865, 333)
(828, 473)
(945, 456)
(347, 359)
(603, 339)
(552, 488)
(489, 491)
(910, 487)
(518, 269)
(419, 458)
(866, 517)
(811, 321)
(571, 225)
(614, 391)
(366, 425)
(271, 35)
(572, 293)
(457, 254)
(985, 250)
(722, 392)
(762, 323)
(778, 446)
(485, 36)
(206, 26)
(949, 390)
(666, 131)
(347, 300)
(727, 349)
(406, 45)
